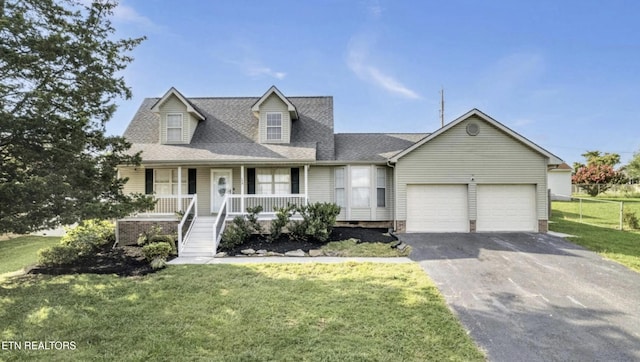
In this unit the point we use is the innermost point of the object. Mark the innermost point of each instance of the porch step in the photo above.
(200, 239)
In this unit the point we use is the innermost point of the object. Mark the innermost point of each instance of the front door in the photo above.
(221, 186)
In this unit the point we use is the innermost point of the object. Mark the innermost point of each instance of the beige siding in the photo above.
(174, 105)
(203, 189)
(274, 104)
(193, 124)
(320, 184)
(454, 157)
(136, 179)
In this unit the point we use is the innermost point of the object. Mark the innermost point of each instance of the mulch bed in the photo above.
(128, 261)
(284, 244)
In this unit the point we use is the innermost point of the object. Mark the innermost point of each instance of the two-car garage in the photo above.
(445, 208)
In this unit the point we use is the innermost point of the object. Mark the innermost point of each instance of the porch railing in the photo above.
(169, 204)
(220, 223)
(189, 217)
(238, 204)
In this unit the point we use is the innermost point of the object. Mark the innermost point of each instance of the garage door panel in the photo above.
(437, 208)
(506, 208)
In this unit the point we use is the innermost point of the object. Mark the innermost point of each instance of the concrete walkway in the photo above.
(285, 259)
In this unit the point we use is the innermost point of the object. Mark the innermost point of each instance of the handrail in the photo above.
(268, 202)
(219, 224)
(182, 238)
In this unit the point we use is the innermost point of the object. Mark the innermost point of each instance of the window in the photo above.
(274, 126)
(174, 127)
(339, 180)
(166, 182)
(381, 184)
(273, 181)
(360, 182)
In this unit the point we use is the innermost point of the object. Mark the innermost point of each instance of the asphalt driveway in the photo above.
(534, 297)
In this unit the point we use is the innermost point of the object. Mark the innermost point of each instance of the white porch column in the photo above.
(242, 188)
(179, 200)
(306, 184)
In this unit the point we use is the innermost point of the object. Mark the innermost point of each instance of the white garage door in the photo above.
(437, 208)
(506, 208)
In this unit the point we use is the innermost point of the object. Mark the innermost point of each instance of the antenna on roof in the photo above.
(442, 107)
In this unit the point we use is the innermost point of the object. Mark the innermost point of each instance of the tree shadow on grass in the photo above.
(261, 312)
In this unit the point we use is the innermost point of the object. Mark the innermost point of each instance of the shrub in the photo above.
(169, 239)
(158, 250)
(235, 234)
(283, 215)
(90, 236)
(252, 218)
(57, 255)
(630, 219)
(145, 237)
(158, 263)
(317, 222)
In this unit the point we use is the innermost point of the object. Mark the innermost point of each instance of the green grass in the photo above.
(258, 312)
(596, 212)
(349, 248)
(620, 246)
(22, 251)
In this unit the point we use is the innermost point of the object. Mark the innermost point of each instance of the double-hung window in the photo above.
(339, 186)
(273, 181)
(274, 126)
(166, 182)
(174, 127)
(360, 186)
(381, 186)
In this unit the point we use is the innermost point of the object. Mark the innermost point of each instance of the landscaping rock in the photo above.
(316, 252)
(261, 252)
(221, 254)
(402, 246)
(298, 252)
(248, 251)
(272, 253)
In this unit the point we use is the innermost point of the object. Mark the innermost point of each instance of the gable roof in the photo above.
(552, 159)
(174, 92)
(293, 112)
(563, 167)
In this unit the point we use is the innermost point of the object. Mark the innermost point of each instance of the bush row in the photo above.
(317, 223)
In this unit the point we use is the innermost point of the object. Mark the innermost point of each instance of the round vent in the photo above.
(473, 129)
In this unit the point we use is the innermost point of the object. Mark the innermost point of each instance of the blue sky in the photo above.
(565, 74)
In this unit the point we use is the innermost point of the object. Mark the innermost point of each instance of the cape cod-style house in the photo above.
(207, 159)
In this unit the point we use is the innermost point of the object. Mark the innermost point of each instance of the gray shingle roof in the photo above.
(230, 132)
(374, 147)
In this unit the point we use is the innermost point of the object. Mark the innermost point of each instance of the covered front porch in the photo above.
(200, 199)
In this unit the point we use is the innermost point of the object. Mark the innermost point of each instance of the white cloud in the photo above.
(256, 70)
(127, 14)
(357, 60)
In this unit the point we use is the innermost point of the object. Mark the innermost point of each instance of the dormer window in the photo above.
(174, 127)
(274, 126)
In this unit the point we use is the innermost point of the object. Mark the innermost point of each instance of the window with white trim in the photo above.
(273, 181)
(165, 182)
(274, 126)
(174, 127)
(381, 186)
(339, 186)
(360, 186)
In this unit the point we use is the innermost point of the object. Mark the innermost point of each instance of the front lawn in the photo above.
(280, 312)
(620, 246)
(22, 251)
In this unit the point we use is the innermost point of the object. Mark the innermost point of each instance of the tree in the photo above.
(58, 82)
(633, 168)
(597, 158)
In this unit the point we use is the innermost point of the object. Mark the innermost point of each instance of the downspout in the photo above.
(395, 196)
